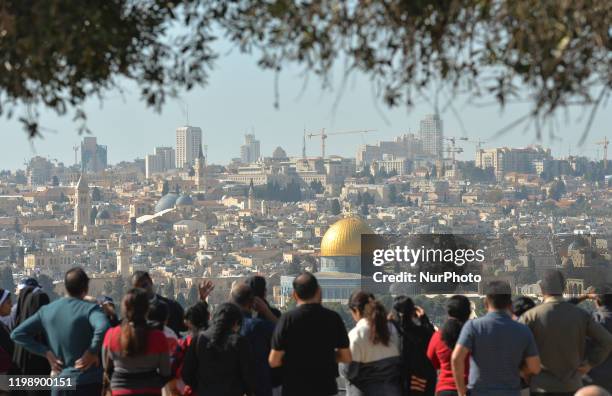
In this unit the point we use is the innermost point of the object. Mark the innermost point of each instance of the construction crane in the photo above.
(453, 149)
(477, 143)
(604, 143)
(324, 136)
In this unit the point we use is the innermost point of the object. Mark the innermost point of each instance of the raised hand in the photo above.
(205, 288)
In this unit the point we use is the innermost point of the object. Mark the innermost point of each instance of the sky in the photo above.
(239, 98)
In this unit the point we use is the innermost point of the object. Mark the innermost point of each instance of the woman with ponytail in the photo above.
(375, 369)
(135, 355)
(441, 346)
(219, 360)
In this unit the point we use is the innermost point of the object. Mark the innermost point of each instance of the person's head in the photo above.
(142, 280)
(552, 283)
(158, 314)
(226, 321)
(242, 295)
(197, 316)
(76, 282)
(5, 302)
(306, 288)
(357, 303)
(521, 305)
(135, 307)
(458, 309)
(27, 282)
(498, 295)
(403, 307)
(364, 306)
(603, 296)
(592, 390)
(108, 307)
(257, 283)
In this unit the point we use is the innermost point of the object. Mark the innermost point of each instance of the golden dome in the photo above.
(343, 238)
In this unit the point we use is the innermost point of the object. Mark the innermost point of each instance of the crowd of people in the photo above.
(151, 346)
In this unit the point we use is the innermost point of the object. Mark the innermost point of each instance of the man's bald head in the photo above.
(592, 390)
(242, 295)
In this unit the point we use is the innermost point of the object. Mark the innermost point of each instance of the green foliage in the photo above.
(193, 296)
(272, 191)
(46, 283)
(96, 194)
(335, 208)
(6, 278)
(165, 188)
(316, 186)
(556, 191)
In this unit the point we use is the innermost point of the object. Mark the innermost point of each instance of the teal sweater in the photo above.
(71, 326)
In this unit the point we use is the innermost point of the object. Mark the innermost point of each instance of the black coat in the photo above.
(29, 302)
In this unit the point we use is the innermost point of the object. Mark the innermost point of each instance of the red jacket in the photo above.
(440, 355)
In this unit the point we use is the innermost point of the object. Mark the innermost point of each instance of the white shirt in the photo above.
(364, 351)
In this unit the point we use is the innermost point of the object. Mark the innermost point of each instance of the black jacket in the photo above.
(30, 301)
(176, 315)
(226, 370)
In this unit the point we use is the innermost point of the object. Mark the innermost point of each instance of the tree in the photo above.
(55, 181)
(494, 196)
(96, 194)
(335, 207)
(180, 298)
(193, 296)
(93, 214)
(165, 188)
(364, 210)
(392, 194)
(169, 289)
(556, 190)
(119, 287)
(6, 278)
(559, 50)
(46, 283)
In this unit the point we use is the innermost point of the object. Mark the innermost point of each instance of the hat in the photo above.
(25, 282)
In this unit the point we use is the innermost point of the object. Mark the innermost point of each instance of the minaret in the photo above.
(200, 171)
(123, 258)
(251, 197)
(82, 205)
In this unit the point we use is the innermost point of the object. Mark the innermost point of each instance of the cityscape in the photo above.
(184, 219)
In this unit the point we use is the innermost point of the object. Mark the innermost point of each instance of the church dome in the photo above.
(184, 200)
(166, 202)
(343, 238)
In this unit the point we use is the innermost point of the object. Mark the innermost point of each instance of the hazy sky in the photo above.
(240, 98)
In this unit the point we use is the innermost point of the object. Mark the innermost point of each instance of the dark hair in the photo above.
(305, 285)
(404, 306)
(257, 283)
(553, 283)
(76, 282)
(242, 295)
(158, 314)
(226, 316)
(521, 305)
(198, 315)
(134, 330)
(499, 294)
(458, 309)
(139, 276)
(604, 295)
(374, 313)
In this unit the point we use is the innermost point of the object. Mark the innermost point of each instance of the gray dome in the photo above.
(103, 215)
(166, 202)
(184, 200)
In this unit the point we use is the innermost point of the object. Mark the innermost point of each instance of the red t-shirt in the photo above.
(440, 355)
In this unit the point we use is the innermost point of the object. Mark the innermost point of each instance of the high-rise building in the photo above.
(94, 157)
(520, 160)
(39, 171)
(249, 151)
(162, 160)
(188, 143)
(82, 205)
(431, 135)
